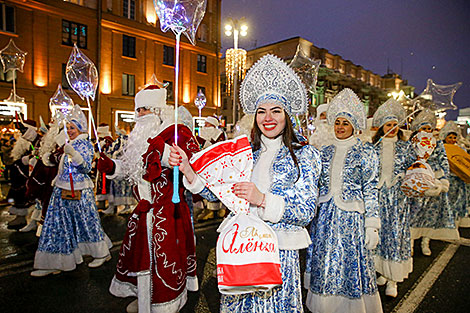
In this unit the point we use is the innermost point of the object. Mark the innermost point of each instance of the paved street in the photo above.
(439, 283)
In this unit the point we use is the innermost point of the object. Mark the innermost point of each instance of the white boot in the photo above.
(381, 281)
(42, 273)
(425, 246)
(32, 225)
(133, 307)
(391, 290)
(109, 210)
(99, 261)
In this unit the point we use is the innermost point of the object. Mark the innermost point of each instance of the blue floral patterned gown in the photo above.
(393, 254)
(72, 228)
(433, 217)
(458, 200)
(290, 206)
(339, 266)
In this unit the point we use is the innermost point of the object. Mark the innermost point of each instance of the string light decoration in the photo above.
(235, 64)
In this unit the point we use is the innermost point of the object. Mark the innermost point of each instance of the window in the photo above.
(128, 9)
(168, 55)
(201, 63)
(128, 85)
(128, 46)
(7, 18)
(170, 96)
(65, 82)
(74, 33)
(203, 89)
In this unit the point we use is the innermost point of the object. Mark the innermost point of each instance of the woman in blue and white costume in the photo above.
(393, 254)
(72, 228)
(339, 261)
(283, 188)
(432, 217)
(458, 198)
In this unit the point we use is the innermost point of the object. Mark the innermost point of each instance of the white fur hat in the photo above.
(150, 97)
(103, 131)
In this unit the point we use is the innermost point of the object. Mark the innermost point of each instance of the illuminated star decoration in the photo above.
(14, 98)
(200, 100)
(12, 57)
(181, 16)
(60, 101)
(306, 68)
(436, 97)
(82, 74)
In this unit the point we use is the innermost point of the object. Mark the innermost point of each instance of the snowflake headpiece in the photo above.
(271, 80)
(390, 110)
(79, 119)
(449, 127)
(425, 117)
(347, 104)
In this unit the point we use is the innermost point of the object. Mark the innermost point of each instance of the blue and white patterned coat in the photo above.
(72, 228)
(300, 198)
(340, 273)
(433, 217)
(393, 254)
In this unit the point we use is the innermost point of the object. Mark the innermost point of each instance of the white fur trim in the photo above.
(293, 240)
(307, 276)
(196, 186)
(373, 222)
(395, 271)
(439, 174)
(339, 304)
(165, 156)
(45, 159)
(274, 209)
(192, 283)
(143, 292)
(436, 234)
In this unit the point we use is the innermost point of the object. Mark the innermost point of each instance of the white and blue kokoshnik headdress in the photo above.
(271, 80)
(449, 127)
(346, 104)
(425, 117)
(77, 117)
(390, 110)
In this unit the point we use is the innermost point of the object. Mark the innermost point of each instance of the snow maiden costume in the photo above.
(72, 226)
(432, 217)
(457, 189)
(340, 273)
(157, 260)
(290, 191)
(393, 254)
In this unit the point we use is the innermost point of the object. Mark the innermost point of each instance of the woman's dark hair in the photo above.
(289, 139)
(380, 133)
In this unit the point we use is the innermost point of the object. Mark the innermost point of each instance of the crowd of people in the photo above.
(337, 194)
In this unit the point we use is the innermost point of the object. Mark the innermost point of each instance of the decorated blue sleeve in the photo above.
(370, 179)
(300, 198)
(85, 148)
(208, 195)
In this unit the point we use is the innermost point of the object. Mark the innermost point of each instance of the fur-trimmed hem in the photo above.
(436, 234)
(340, 304)
(395, 271)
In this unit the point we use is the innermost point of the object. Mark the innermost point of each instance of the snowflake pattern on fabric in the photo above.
(458, 196)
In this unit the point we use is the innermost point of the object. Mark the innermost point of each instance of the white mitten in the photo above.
(25, 160)
(445, 185)
(434, 191)
(76, 157)
(372, 238)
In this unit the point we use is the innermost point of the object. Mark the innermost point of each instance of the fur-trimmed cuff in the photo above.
(165, 156)
(373, 222)
(445, 185)
(192, 283)
(196, 187)
(274, 209)
(45, 159)
(77, 159)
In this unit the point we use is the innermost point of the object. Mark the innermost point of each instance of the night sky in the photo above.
(425, 38)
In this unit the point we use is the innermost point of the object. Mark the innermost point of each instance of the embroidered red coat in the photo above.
(157, 261)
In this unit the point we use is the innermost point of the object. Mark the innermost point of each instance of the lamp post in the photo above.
(237, 27)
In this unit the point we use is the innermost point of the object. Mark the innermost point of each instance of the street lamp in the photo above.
(235, 27)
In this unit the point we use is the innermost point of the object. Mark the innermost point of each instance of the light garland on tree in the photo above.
(234, 57)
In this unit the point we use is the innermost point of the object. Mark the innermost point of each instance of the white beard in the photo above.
(147, 126)
(21, 147)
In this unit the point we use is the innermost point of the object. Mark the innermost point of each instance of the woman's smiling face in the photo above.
(271, 119)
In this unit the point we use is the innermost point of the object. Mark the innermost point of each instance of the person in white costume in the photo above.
(323, 134)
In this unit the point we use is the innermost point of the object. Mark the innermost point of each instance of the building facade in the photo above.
(335, 74)
(123, 39)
